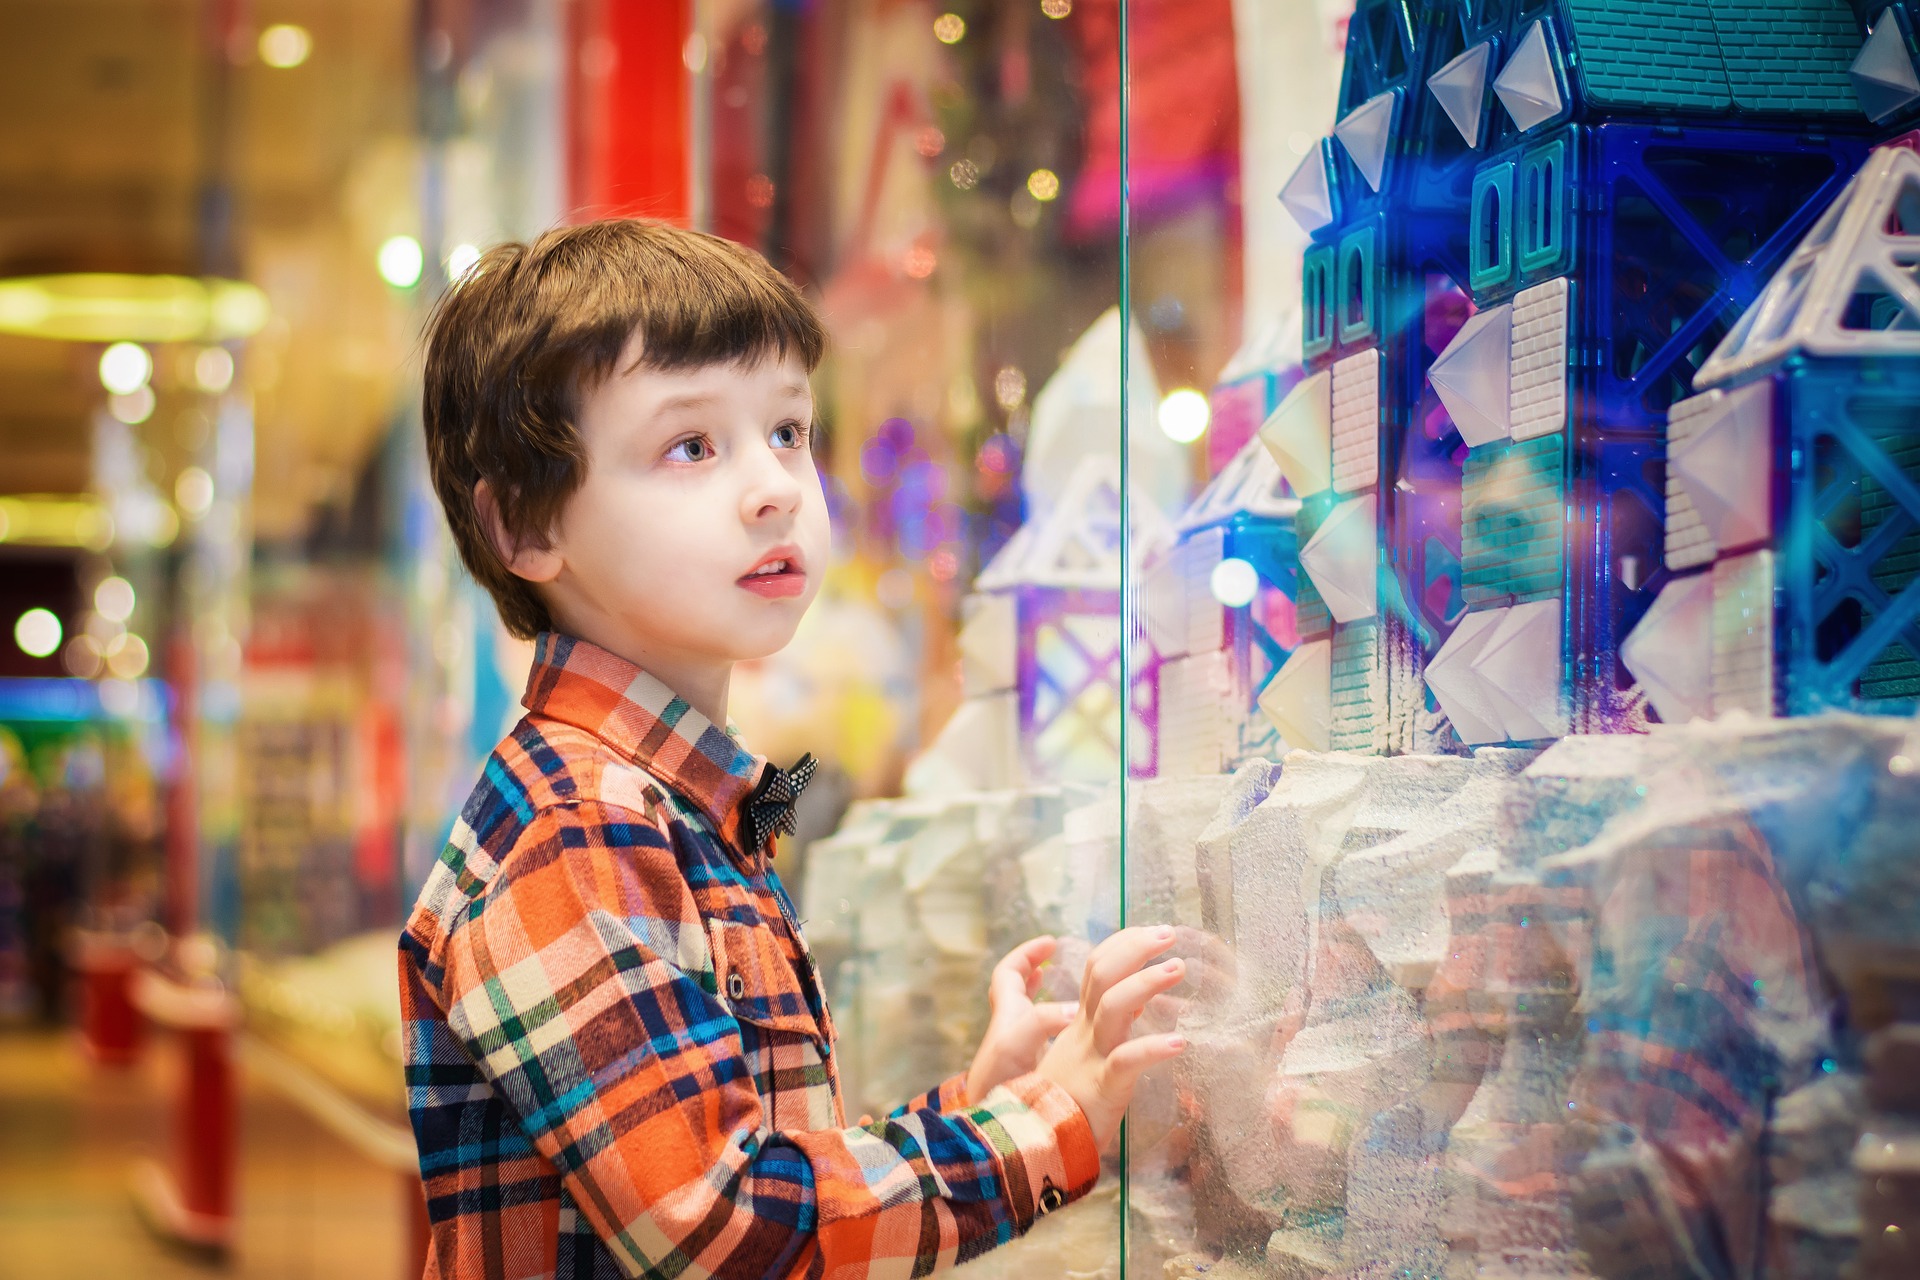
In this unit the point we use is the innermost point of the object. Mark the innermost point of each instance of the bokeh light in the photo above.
(401, 262)
(37, 632)
(1184, 415)
(133, 408)
(125, 368)
(213, 370)
(284, 45)
(1234, 582)
(193, 491)
(461, 259)
(1043, 184)
(949, 28)
(113, 599)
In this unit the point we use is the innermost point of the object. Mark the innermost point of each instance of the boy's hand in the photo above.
(1019, 1029)
(1093, 1059)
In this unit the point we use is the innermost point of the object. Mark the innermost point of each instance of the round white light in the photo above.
(1234, 583)
(284, 45)
(1184, 415)
(37, 632)
(133, 408)
(113, 599)
(401, 262)
(460, 260)
(193, 491)
(125, 368)
(213, 370)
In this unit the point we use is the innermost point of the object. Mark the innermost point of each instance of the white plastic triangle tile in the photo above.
(1475, 716)
(1864, 244)
(1527, 86)
(1473, 376)
(1883, 72)
(1299, 698)
(1343, 559)
(989, 643)
(1249, 484)
(1299, 435)
(1726, 466)
(1519, 665)
(1367, 133)
(1460, 88)
(1076, 541)
(1671, 652)
(1307, 195)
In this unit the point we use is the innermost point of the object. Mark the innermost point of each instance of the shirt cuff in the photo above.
(1044, 1144)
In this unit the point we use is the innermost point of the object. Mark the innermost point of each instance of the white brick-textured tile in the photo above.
(1356, 422)
(1743, 634)
(1537, 391)
(1688, 542)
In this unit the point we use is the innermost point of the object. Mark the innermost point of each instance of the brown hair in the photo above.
(515, 344)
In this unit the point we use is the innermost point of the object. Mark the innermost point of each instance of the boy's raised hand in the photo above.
(1094, 1059)
(1019, 1029)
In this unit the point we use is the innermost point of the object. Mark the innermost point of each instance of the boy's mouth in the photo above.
(779, 574)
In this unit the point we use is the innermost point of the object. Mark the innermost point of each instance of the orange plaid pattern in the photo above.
(619, 1055)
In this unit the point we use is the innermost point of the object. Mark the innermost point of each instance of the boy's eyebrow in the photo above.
(789, 391)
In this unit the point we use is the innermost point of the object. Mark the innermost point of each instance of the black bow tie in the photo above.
(769, 809)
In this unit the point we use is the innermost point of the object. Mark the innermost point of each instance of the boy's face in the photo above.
(700, 534)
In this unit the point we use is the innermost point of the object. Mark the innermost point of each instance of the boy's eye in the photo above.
(692, 449)
(789, 435)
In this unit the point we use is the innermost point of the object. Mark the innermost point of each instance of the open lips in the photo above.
(778, 574)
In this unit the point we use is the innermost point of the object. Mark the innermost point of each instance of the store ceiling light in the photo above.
(193, 491)
(1234, 582)
(55, 520)
(949, 28)
(401, 262)
(98, 307)
(284, 45)
(462, 259)
(125, 368)
(37, 632)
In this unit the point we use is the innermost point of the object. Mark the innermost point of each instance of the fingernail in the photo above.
(1176, 1043)
(1172, 966)
(1163, 934)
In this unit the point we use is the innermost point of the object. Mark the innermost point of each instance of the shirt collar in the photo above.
(581, 684)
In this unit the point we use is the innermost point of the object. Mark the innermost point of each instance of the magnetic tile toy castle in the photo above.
(1567, 461)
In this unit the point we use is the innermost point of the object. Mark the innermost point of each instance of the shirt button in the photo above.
(736, 986)
(1051, 1197)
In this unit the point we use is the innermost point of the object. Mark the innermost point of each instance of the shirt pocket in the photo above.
(757, 982)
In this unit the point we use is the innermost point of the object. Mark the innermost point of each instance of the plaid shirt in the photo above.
(619, 1057)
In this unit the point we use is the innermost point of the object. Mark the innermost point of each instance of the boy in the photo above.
(619, 1055)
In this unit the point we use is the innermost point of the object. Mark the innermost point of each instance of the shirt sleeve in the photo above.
(573, 986)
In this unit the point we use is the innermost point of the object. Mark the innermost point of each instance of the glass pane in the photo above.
(945, 182)
(1490, 653)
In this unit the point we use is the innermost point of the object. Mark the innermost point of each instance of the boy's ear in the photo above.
(535, 564)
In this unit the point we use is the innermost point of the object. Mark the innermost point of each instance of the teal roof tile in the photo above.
(1789, 55)
(1713, 57)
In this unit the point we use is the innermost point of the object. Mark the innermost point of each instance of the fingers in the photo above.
(1113, 1017)
(1125, 1063)
(1018, 973)
(1117, 957)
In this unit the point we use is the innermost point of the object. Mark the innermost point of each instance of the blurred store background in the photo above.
(243, 682)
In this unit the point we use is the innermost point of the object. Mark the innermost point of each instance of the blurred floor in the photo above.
(310, 1208)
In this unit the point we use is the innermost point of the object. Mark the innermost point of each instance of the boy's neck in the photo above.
(699, 680)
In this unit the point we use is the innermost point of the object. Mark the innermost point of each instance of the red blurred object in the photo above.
(110, 1026)
(191, 1203)
(629, 116)
(1183, 117)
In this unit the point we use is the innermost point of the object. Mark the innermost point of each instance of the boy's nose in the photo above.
(772, 490)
